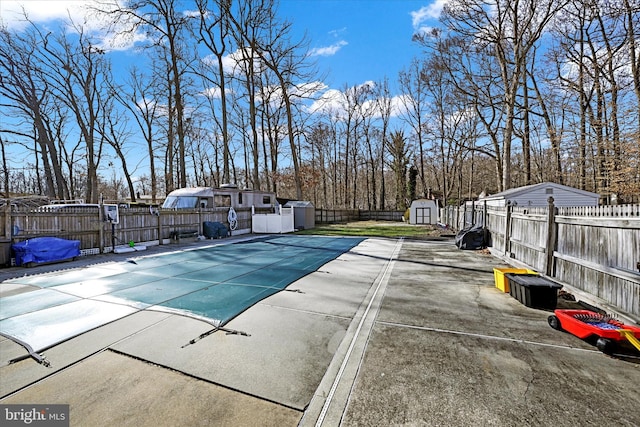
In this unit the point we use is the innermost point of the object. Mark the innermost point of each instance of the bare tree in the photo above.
(447, 114)
(214, 31)
(167, 28)
(631, 11)
(249, 20)
(287, 59)
(551, 109)
(28, 93)
(412, 82)
(507, 30)
(5, 170)
(80, 71)
(137, 97)
(319, 143)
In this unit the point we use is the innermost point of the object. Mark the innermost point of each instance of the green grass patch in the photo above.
(375, 229)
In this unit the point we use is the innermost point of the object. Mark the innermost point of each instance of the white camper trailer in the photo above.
(226, 196)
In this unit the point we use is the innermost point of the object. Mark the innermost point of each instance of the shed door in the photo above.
(423, 215)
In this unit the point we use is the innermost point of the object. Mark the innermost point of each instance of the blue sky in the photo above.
(372, 38)
(354, 41)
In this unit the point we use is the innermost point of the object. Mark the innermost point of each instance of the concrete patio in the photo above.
(391, 333)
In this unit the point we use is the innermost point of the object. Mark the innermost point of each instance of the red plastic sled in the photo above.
(586, 324)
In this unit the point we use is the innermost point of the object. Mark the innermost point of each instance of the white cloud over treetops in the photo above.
(333, 102)
(13, 11)
(425, 13)
(328, 50)
(74, 14)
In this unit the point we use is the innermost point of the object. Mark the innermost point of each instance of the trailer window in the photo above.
(180, 202)
(266, 200)
(222, 200)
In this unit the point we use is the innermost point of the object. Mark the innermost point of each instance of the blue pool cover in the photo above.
(214, 284)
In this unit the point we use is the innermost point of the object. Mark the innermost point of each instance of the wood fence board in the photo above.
(597, 248)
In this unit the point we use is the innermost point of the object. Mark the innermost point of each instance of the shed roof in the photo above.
(515, 192)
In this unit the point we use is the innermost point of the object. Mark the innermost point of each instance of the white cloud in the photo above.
(230, 62)
(330, 101)
(235, 62)
(13, 11)
(333, 102)
(336, 33)
(398, 105)
(120, 40)
(425, 13)
(309, 89)
(328, 50)
(213, 92)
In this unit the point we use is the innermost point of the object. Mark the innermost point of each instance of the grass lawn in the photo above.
(379, 229)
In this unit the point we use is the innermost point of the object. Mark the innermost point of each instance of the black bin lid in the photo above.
(532, 280)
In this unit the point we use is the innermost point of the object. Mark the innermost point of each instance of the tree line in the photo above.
(505, 93)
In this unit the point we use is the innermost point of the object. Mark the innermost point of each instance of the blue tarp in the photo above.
(45, 249)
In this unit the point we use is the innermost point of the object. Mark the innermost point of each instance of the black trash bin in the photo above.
(534, 291)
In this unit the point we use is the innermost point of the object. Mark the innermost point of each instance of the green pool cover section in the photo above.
(214, 283)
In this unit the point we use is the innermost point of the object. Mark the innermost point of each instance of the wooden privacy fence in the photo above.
(595, 248)
(98, 236)
(136, 224)
(336, 216)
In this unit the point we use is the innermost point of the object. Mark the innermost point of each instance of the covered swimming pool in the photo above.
(214, 284)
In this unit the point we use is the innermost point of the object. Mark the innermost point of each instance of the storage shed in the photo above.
(423, 211)
(537, 195)
(304, 214)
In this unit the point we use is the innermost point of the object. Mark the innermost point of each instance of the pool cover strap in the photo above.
(214, 330)
(36, 356)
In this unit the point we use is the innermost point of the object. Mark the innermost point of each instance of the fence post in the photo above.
(507, 231)
(464, 216)
(7, 221)
(101, 226)
(473, 213)
(453, 217)
(159, 227)
(552, 237)
(484, 215)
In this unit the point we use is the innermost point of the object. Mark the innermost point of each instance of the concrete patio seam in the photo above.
(367, 315)
(491, 337)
